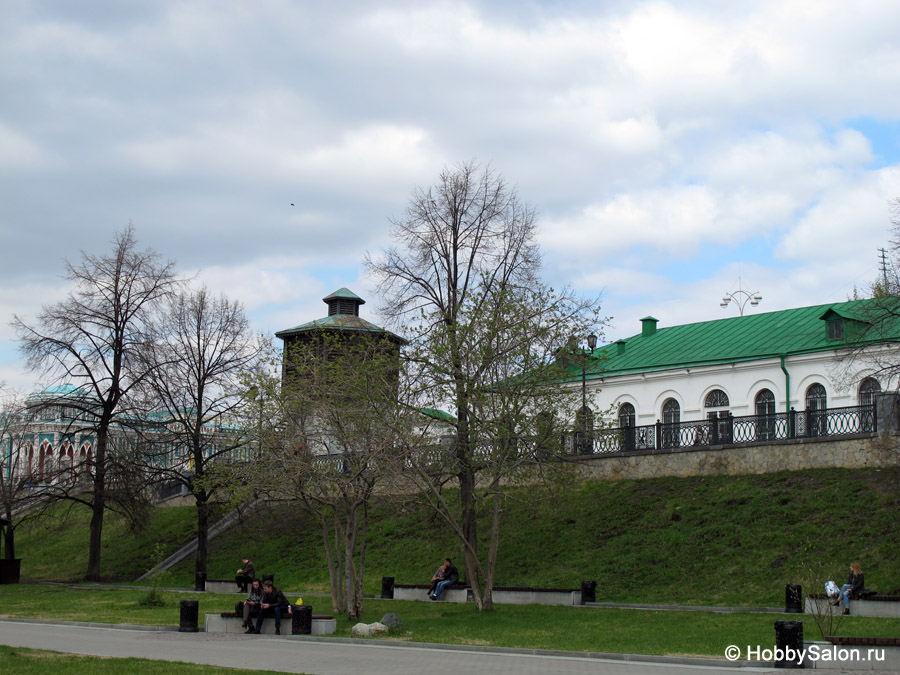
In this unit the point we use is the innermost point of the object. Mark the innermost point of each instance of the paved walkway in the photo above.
(331, 656)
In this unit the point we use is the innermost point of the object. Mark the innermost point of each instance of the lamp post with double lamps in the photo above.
(584, 441)
(740, 297)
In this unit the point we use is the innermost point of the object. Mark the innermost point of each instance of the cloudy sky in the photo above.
(672, 149)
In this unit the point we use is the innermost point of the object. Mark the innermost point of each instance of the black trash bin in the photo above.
(190, 613)
(588, 592)
(793, 599)
(387, 588)
(9, 570)
(788, 644)
(268, 577)
(301, 620)
(200, 581)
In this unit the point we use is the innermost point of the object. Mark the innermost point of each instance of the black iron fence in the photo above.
(727, 430)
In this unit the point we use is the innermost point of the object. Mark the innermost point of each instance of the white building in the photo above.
(762, 365)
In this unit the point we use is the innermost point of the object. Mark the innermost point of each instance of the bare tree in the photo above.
(195, 365)
(94, 339)
(464, 280)
(18, 496)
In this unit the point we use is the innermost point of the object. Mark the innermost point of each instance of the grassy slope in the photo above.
(713, 540)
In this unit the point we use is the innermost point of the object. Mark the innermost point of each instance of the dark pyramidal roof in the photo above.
(343, 315)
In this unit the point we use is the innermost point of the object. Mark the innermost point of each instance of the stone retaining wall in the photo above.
(862, 450)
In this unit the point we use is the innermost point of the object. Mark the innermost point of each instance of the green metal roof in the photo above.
(340, 319)
(343, 294)
(342, 322)
(439, 415)
(741, 338)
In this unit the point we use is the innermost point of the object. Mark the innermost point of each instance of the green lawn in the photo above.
(719, 540)
(23, 661)
(568, 628)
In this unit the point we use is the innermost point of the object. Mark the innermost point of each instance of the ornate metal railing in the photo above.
(728, 430)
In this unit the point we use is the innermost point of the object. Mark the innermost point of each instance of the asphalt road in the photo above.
(320, 657)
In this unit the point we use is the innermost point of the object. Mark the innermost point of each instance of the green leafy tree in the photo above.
(333, 445)
(463, 281)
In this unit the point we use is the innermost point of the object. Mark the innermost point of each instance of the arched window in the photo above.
(716, 406)
(84, 454)
(816, 402)
(765, 402)
(816, 398)
(765, 412)
(546, 438)
(626, 415)
(627, 418)
(671, 411)
(584, 431)
(716, 399)
(867, 390)
(671, 416)
(46, 460)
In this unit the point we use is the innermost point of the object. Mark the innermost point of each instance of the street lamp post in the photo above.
(740, 297)
(584, 443)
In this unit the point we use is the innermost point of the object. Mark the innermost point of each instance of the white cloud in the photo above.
(663, 143)
(20, 153)
(847, 225)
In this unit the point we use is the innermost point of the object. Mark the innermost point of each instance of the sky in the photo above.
(674, 151)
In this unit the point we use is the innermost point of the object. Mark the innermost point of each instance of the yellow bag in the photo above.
(299, 601)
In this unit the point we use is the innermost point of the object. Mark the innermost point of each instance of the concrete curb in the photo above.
(91, 624)
(688, 608)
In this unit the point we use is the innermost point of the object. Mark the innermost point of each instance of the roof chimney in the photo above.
(648, 326)
(620, 347)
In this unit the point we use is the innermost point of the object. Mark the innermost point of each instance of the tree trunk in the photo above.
(362, 540)
(350, 530)
(9, 538)
(338, 603)
(202, 532)
(98, 506)
(468, 514)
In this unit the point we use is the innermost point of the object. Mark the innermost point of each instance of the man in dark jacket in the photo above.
(272, 599)
(451, 576)
(245, 575)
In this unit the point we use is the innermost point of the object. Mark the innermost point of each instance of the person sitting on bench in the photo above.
(438, 576)
(252, 603)
(245, 575)
(272, 599)
(854, 586)
(451, 576)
